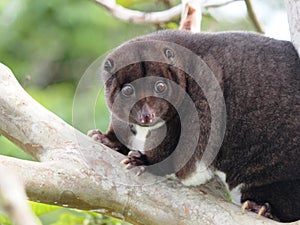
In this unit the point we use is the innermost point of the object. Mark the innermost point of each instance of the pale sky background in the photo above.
(271, 14)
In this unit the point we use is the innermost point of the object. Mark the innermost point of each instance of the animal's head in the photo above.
(146, 92)
(146, 80)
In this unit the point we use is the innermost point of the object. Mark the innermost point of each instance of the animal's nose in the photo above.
(147, 117)
(147, 114)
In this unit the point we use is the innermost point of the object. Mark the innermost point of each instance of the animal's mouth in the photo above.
(145, 115)
(147, 118)
(157, 123)
(147, 121)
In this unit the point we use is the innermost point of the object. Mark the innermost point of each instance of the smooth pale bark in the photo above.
(191, 15)
(293, 13)
(135, 16)
(13, 198)
(74, 171)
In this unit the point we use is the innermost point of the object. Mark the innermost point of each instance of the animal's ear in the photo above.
(108, 65)
(107, 70)
(169, 53)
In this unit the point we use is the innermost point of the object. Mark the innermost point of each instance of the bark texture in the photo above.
(293, 13)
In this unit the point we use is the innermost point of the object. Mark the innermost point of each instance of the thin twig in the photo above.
(191, 16)
(13, 198)
(253, 17)
(220, 4)
(293, 14)
(135, 16)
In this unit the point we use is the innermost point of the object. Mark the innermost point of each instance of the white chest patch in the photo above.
(137, 141)
(200, 176)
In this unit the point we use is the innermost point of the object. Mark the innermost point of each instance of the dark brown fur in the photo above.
(260, 79)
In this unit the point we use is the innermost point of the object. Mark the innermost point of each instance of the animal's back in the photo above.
(260, 78)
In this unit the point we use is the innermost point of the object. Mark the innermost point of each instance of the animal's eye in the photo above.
(160, 87)
(169, 53)
(127, 90)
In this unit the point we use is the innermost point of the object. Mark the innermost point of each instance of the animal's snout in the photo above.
(147, 114)
(147, 118)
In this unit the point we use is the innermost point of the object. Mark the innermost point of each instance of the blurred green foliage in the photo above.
(54, 215)
(56, 40)
(50, 44)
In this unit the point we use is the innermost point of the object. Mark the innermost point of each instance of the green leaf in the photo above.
(10, 149)
(41, 209)
(4, 219)
(71, 219)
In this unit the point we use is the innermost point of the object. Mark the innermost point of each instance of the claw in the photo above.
(125, 161)
(141, 170)
(93, 132)
(245, 206)
(134, 160)
(261, 211)
(129, 166)
(134, 154)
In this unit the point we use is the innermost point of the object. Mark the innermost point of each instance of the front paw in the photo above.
(135, 159)
(261, 210)
(98, 136)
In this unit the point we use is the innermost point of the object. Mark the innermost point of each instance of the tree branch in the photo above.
(253, 17)
(220, 4)
(191, 16)
(13, 198)
(293, 13)
(77, 172)
(135, 16)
